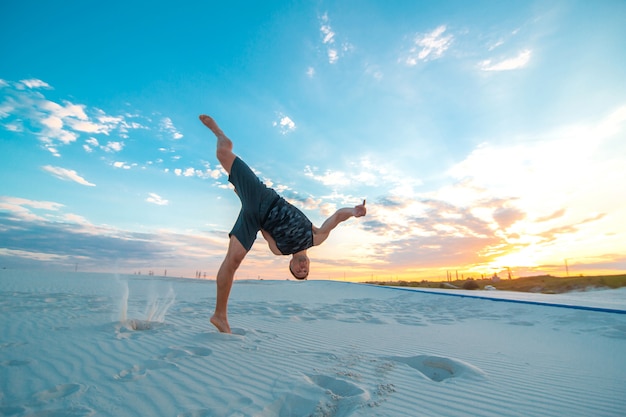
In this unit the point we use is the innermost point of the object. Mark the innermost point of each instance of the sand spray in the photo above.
(156, 308)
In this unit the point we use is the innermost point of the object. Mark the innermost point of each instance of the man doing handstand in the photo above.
(285, 228)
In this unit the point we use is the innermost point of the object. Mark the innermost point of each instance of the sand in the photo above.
(97, 344)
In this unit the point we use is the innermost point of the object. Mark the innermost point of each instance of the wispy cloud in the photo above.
(35, 83)
(205, 173)
(518, 204)
(123, 165)
(110, 147)
(67, 175)
(40, 233)
(24, 108)
(520, 61)
(549, 202)
(334, 49)
(557, 214)
(329, 178)
(168, 126)
(157, 199)
(364, 172)
(328, 39)
(57, 124)
(25, 209)
(13, 203)
(429, 46)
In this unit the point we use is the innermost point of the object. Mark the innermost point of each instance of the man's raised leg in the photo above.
(224, 151)
(225, 276)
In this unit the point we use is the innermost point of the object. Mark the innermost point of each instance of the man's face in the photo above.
(300, 266)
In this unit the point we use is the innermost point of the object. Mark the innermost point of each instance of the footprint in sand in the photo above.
(317, 395)
(239, 332)
(59, 391)
(345, 397)
(439, 369)
(140, 371)
(336, 387)
(165, 361)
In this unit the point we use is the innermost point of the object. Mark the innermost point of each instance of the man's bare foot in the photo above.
(221, 324)
(211, 124)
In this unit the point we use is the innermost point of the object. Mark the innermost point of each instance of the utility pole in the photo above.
(566, 268)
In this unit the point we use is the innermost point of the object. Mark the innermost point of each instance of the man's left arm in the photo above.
(341, 215)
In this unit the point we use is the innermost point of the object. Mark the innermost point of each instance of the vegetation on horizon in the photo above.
(546, 284)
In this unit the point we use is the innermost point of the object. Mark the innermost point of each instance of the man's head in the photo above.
(299, 265)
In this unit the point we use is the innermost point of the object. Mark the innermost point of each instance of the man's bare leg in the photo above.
(225, 276)
(224, 149)
(236, 252)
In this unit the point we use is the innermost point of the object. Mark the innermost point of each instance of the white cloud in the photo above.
(333, 56)
(366, 173)
(310, 72)
(328, 178)
(156, 199)
(15, 127)
(520, 61)
(67, 175)
(168, 126)
(35, 83)
(496, 44)
(374, 71)
(90, 144)
(284, 124)
(573, 170)
(12, 203)
(214, 173)
(52, 122)
(110, 120)
(120, 164)
(68, 110)
(87, 126)
(113, 147)
(57, 124)
(17, 208)
(328, 40)
(328, 35)
(53, 150)
(205, 173)
(429, 46)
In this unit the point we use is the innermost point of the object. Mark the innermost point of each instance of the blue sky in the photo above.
(484, 134)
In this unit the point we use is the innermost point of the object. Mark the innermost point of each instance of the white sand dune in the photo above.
(71, 346)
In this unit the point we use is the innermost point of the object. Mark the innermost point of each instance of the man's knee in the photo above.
(236, 253)
(234, 260)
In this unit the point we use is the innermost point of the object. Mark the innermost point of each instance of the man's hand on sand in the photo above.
(360, 211)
